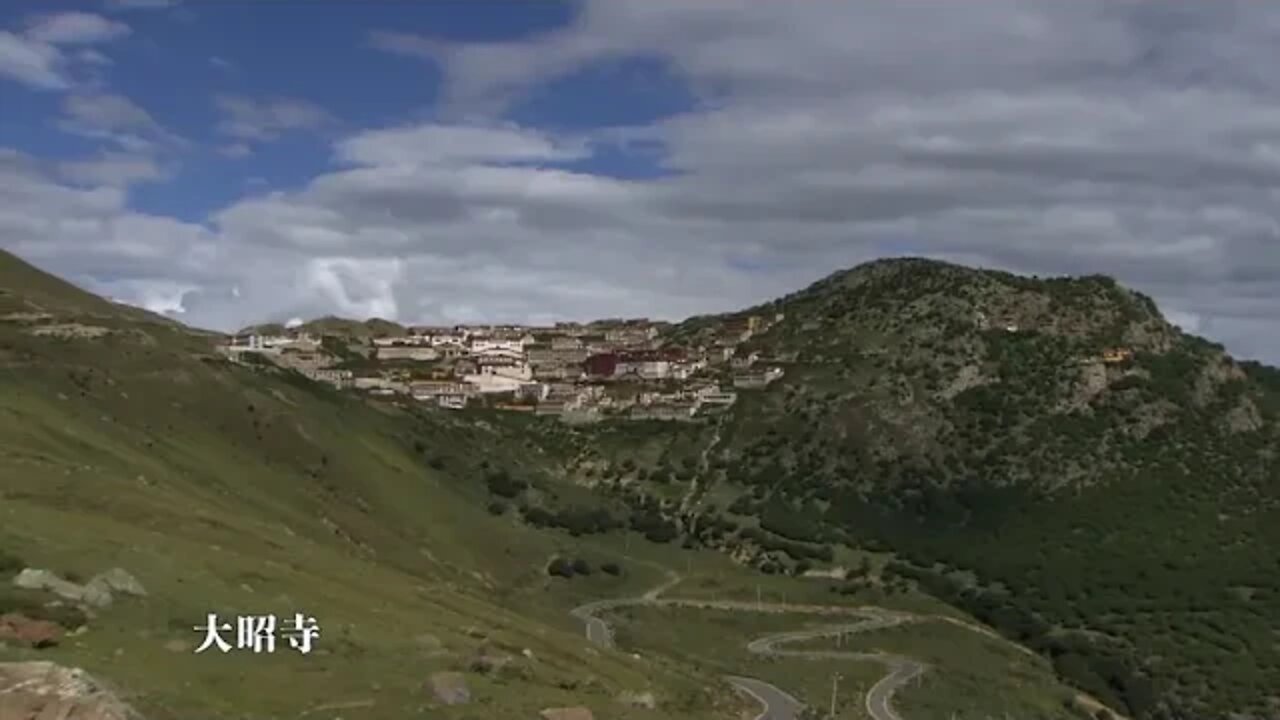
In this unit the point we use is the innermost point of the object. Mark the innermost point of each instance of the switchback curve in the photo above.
(776, 703)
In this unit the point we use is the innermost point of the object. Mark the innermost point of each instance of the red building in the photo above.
(601, 365)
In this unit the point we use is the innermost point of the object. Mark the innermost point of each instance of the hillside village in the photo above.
(580, 372)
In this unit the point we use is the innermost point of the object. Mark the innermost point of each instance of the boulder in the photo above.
(567, 713)
(118, 580)
(489, 663)
(32, 633)
(449, 688)
(49, 581)
(638, 699)
(96, 595)
(45, 690)
(98, 592)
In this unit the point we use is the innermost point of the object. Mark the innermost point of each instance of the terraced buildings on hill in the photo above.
(582, 372)
(1050, 455)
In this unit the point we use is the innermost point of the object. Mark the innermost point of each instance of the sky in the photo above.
(230, 162)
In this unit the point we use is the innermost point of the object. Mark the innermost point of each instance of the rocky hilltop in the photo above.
(1051, 455)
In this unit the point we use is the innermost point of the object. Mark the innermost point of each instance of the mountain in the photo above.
(127, 441)
(330, 325)
(1047, 457)
(1050, 455)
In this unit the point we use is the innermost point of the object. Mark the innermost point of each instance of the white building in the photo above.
(379, 385)
(685, 369)
(480, 346)
(453, 401)
(260, 343)
(456, 339)
(408, 352)
(432, 390)
(505, 367)
(491, 383)
(712, 395)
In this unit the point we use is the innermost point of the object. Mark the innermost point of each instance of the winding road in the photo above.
(776, 703)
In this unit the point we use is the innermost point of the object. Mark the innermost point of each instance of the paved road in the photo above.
(777, 704)
(881, 693)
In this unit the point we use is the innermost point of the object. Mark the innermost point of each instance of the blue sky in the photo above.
(234, 162)
(178, 59)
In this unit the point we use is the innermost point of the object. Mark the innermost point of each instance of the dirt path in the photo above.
(702, 481)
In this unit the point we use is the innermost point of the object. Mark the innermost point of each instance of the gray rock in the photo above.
(119, 580)
(567, 713)
(638, 699)
(34, 579)
(489, 663)
(46, 690)
(96, 594)
(450, 688)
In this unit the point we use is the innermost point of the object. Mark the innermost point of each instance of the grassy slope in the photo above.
(1129, 534)
(221, 489)
(1135, 528)
(227, 490)
(972, 677)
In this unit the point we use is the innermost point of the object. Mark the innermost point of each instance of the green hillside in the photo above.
(1048, 456)
(1120, 516)
(126, 441)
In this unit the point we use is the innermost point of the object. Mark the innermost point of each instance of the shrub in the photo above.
(581, 567)
(501, 483)
(611, 568)
(560, 568)
(497, 508)
(10, 564)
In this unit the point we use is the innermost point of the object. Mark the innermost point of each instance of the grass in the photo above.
(717, 640)
(971, 677)
(227, 490)
(230, 490)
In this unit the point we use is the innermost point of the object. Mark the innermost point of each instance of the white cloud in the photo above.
(107, 112)
(74, 28)
(31, 62)
(35, 58)
(90, 231)
(118, 120)
(112, 169)
(425, 145)
(355, 286)
(250, 119)
(92, 57)
(236, 150)
(1131, 139)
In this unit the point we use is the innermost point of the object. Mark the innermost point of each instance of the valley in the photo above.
(1070, 518)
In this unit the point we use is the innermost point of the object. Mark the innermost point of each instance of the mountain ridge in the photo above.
(1051, 456)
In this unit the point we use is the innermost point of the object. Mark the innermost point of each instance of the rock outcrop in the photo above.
(449, 688)
(98, 592)
(638, 699)
(40, 690)
(567, 713)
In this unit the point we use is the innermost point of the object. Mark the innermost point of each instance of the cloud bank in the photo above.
(1140, 140)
